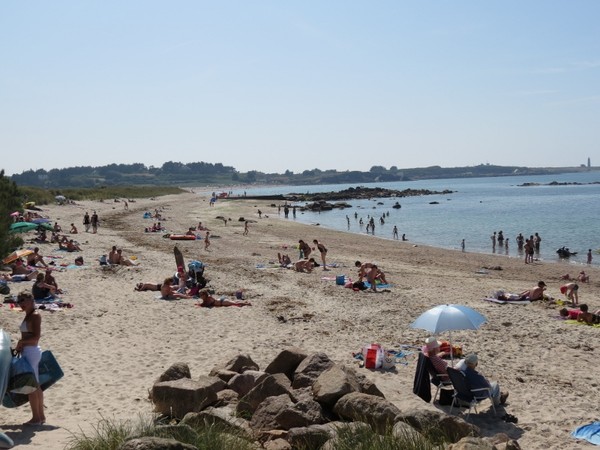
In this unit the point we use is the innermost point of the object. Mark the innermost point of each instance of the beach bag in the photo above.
(389, 361)
(373, 356)
(21, 379)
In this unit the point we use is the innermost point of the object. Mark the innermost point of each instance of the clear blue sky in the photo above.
(276, 85)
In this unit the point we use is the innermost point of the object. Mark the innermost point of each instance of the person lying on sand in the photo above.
(305, 265)
(284, 260)
(571, 314)
(536, 293)
(208, 301)
(147, 287)
(70, 246)
(587, 317)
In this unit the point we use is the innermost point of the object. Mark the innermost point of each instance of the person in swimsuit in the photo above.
(323, 252)
(305, 265)
(35, 258)
(40, 289)
(304, 249)
(168, 293)
(28, 346)
(208, 301)
(570, 290)
(536, 293)
(207, 240)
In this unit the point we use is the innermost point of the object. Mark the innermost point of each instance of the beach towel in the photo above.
(589, 432)
(504, 302)
(380, 286)
(575, 322)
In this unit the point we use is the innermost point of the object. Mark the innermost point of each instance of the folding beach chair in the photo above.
(440, 381)
(464, 396)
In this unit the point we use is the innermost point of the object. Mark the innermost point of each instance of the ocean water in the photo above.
(562, 215)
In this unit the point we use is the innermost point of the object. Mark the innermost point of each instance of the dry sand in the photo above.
(115, 342)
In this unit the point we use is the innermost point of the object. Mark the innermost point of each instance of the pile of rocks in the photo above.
(298, 400)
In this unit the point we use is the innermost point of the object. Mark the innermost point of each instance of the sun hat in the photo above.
(471, 359)
(432, 343)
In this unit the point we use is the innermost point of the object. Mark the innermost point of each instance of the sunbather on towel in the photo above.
(536, 293)
(571, 314)
(587, 317)
(208, 301)
(305, 265)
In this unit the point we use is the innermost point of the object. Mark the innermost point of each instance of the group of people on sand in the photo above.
(581, 314)
(116, 258)
(306, 263)
(371, 273)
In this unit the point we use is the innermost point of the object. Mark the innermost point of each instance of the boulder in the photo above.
(155, 443)
(301, 414)
(222, 417)
(453, 427)
(277, 444)
(313, 436)
(376, 411)
(239, 364)
(226, 397)
(223, 374)
(286, 362)
(404, 430)
(175, 372)
(332, 385)
(309, 369)
(178, 397)
(271, 386)
(365, 385)
(472, 443)
(242, 383)
(264, 416)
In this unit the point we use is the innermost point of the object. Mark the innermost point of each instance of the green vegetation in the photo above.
(204, 174)
(10, 201)
(110, 435)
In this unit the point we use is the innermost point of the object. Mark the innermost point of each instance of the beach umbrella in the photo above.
(22, 227)
(16, 255)
(40, 220)
(449, 318)
(15, 214)
(45, 226)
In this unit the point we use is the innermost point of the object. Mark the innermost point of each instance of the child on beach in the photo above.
(207, 240)
(570, 290)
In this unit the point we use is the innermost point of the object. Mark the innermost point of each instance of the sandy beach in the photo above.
(115, 342)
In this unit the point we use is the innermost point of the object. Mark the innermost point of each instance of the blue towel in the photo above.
(380, 286)
(589, 432)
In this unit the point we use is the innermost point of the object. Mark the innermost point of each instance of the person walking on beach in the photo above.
(207, 240)
(323, 252)
(86, 222)
(589, 256)
(246, 229)
(28, 347)
(94, 221)
(395, 232)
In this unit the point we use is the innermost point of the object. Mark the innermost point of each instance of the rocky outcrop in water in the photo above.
(362, 193)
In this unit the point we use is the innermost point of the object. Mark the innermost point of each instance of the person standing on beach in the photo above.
(528, 247)
(462, 245)
(94, 221)
(86, 222)
(536, 242)
(589, 256)
(520, 240)
(304, 249)
(323, 252)
(246, 229)
(493, 238)
(207, 240)
(28, 347)
(395, 233)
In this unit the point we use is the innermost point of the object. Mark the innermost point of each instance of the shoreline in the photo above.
(115, 342)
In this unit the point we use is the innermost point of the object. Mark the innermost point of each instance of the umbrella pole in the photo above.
(451, 348)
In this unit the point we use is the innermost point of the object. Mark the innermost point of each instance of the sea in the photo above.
(563, 215)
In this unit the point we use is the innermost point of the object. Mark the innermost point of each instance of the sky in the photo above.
(297, 85)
